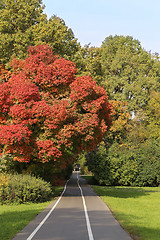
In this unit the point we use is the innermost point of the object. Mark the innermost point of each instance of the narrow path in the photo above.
(79, 214)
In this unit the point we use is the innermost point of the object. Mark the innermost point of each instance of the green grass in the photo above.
(13, 218)
(137, 209)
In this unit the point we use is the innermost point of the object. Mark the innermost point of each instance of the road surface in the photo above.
(78, 214)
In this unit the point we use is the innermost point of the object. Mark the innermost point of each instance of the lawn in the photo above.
(13, 218)
(137, 209)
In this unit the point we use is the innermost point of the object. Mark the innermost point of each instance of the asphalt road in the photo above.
(79, 214)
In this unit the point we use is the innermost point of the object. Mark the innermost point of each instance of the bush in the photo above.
(23, 188)
(99, 164)
(136, 165)
(126, 165)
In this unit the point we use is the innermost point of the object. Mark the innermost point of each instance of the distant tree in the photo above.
(88, 62)
(131, 73)
(121, 125)
(46, 113)
(153, 115)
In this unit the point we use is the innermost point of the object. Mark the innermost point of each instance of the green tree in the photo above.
(16, 21)
(131, 73)
(23, 24)
(153, 115)
(57, 35)
(88, 62)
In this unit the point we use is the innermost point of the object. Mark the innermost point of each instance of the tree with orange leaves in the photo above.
(47, 113)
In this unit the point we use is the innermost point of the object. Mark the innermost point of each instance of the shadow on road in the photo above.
(119, 192)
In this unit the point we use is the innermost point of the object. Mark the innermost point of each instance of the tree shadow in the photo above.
(109, 191)
(120, 192)
(66, 223)
(137, 230)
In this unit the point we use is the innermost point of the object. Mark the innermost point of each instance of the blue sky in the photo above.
(94, 20)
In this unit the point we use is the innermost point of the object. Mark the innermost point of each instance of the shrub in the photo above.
(126, 165)
(99, 164)
(23, 188)
(136, 165)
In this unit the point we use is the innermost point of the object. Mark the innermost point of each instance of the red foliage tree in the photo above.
(46, 113)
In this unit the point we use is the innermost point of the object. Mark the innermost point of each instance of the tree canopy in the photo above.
(131, 73)
(23, 24)
(46, 113)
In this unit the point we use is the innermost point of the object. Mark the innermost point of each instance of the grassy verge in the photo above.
(137, 209)
(14, 218)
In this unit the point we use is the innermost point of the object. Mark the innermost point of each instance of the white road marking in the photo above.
(43, 221)
(90, 234)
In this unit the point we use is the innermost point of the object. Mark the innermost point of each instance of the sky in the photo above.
(93, 20)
